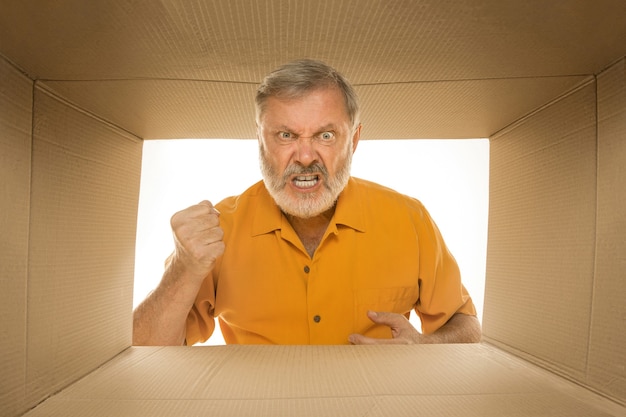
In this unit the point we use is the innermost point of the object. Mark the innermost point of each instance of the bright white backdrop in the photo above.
(451, 178)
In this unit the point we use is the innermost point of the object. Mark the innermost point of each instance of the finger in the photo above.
(211, 236)
(198, 210)
(196, 218)
(207, 215)
(205, 223)
(208, 204)
(202, 209)
(393, 320)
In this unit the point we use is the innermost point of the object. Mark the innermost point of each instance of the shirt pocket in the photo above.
(399, 300)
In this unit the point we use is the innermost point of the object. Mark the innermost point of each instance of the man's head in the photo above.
(308, 127)
(300, 77)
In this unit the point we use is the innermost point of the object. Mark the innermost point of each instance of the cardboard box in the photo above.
(82, 84)
(447, 380)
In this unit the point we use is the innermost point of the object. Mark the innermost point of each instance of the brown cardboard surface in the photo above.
(85, 186)
(542, 233)
(607, 352)
(323, 380)
(168, 109)
(238, 42)
(541, 244)
(450, 60)
(555, 285)
(445, 109)
(16, 92)
(224, 110)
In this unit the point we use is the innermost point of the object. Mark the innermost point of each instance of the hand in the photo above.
(197, 238)
(402, 330)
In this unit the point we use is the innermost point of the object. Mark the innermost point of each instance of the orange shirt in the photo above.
(381, 252)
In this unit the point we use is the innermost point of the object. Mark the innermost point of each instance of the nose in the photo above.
(305, 151)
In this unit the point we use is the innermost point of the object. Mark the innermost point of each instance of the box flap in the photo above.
(453, 61)
(460, 380)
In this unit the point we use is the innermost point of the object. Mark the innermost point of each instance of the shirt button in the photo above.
(316, 319)
(307, 269)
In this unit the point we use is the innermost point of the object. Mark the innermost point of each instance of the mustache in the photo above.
(295, 169)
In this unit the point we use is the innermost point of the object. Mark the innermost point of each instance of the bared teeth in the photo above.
(305, 181)
(306, 178)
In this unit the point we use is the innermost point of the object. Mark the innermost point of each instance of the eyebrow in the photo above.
(324, 128)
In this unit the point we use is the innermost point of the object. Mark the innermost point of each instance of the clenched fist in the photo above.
(198, 239)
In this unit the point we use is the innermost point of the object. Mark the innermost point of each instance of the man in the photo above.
(309, 255)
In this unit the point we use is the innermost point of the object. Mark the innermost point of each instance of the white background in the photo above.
(451, 178)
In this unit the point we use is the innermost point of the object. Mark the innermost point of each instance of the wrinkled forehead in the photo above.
(289, 97)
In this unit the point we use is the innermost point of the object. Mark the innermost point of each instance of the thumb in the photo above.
(392, 320)
(210, 205)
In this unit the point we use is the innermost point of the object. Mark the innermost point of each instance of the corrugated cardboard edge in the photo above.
(606, 362)
(16, 102)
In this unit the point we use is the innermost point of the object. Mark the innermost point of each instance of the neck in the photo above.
(311, 230)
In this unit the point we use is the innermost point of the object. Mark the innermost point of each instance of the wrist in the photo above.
(184, 272)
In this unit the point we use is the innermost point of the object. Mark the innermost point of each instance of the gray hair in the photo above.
(296, 78)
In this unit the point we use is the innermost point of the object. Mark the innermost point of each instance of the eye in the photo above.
(326, 136)
(285, 135)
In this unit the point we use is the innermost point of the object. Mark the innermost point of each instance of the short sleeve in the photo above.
(200, 320)
(441, 292)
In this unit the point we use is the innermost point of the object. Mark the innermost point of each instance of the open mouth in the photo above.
(305, 181)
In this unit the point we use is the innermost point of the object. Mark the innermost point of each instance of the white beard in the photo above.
(306, 205)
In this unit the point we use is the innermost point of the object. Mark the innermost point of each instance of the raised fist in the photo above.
(198, 239)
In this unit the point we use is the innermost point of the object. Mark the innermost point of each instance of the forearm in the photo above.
(160, 319)
(461, 328)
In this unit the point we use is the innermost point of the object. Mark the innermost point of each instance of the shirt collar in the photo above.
(349, 210)
(349, 213)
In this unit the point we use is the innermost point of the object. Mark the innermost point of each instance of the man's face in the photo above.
(305, 150)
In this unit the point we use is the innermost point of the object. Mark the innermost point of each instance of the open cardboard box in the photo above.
(82, 84)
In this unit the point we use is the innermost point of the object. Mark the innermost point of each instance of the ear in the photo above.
(356, 137)
(258, 131)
